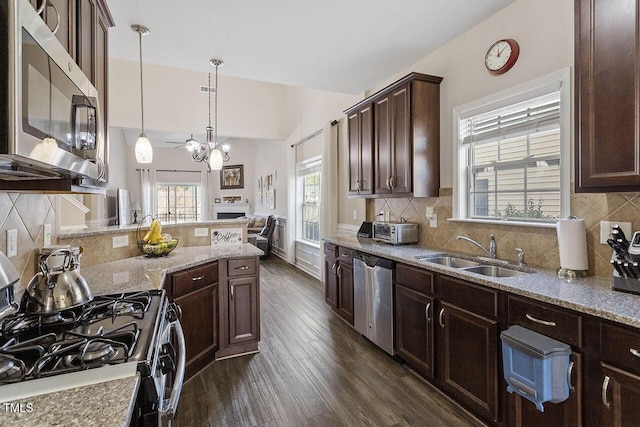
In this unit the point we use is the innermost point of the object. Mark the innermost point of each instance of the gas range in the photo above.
(107, 338)
(112, 331)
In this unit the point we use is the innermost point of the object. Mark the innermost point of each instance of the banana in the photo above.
(154, 233)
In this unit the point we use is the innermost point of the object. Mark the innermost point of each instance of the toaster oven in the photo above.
(395, 233)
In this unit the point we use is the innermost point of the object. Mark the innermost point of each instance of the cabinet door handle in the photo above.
(605, 387)
(569, 375)
(635, 352)
(195, 279)
(338, 270)
(426, 312)
(231, 290)
(441, 318)
(242, 267)
(541, 322)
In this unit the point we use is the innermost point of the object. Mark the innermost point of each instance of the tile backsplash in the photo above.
(27, 213)
(540, 245)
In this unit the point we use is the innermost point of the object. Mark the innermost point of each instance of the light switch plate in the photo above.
(12, 242)
(355, 214)
(605, 230)
(429, 211)
(47, 235)
(201, 232)
(433, 221)
(120, 241)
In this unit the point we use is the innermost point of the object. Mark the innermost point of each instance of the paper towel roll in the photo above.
(572, 243)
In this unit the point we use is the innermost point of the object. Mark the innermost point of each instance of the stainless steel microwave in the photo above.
(51, 127)
(396, 233)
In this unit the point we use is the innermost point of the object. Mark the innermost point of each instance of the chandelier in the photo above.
(210, 151)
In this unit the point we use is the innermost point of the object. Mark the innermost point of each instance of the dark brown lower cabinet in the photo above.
(240, 312)
(523, 413)
(338, 280)
(468, 350)
(414, 330)
(344, 299)
(243, 313)
(620, 397)
(196, 292)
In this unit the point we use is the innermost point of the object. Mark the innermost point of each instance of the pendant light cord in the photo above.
(209, 90)
(50, 95)
(215, 125)
(141, 89)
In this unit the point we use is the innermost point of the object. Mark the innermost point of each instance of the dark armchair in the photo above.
(264, 238)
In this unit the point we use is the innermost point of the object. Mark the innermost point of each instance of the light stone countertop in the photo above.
(104, 404)
(110, 403)
(143, 273)
(115, 229)
(590, 295)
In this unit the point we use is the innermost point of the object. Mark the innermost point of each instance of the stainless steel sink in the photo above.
(495, 271)
(449, 261)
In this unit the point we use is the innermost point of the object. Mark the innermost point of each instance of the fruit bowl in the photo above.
(160, 248)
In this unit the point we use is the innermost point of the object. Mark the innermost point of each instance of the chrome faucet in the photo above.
(492, 245)
(520, 256)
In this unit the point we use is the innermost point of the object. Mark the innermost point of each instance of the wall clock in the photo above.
(501, 56)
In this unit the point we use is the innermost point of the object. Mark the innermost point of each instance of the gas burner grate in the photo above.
(133, 305)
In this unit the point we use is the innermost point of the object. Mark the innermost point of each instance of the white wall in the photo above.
(172, 102)
(542, 28)
(269, 157)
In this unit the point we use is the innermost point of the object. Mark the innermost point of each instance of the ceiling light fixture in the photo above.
(144, 151)
(210, 151)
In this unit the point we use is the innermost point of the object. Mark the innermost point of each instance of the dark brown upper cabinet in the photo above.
(394, 140)
(607, 97)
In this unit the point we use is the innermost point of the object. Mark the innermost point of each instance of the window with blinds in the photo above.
(510, 159)
(309, 200)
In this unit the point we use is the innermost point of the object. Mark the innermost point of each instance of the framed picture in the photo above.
(232, 177)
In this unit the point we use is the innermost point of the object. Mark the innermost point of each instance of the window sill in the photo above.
(518, 223)
(308, 243)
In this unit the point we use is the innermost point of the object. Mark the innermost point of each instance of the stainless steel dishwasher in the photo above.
(373, 299)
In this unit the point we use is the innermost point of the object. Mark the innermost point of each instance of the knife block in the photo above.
(624, 284)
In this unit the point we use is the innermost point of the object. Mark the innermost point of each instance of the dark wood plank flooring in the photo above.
(313, 370)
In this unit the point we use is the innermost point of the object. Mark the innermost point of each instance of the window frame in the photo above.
(560, 80)
(301, 167)
(198, 215)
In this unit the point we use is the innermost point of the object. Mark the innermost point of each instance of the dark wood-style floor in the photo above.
(313, 370)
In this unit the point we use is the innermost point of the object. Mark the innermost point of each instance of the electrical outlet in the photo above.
(120, 241)
(605, 230)
(430, 211)
(47, 235)
(433, 221)
(201, 232)
(355, 214)
(12, 242)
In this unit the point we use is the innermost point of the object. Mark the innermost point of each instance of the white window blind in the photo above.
(513, 161)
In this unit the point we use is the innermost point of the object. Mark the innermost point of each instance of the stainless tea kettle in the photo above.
(58, 285)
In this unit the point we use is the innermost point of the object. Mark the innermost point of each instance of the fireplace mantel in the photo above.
(241, 209)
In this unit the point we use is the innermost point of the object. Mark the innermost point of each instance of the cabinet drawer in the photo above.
(345, 255)
(620, 346)
(193, 279)
(554, 322)
(414, 278)
(470, 296)
(330, 250)
(241, 267)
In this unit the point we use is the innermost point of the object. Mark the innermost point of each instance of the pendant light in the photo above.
(144, 151)
(215, 157)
